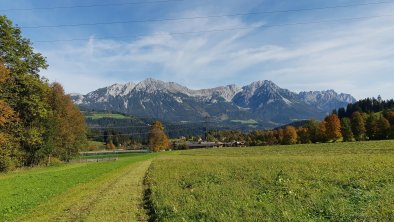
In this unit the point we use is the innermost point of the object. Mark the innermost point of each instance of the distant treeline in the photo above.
(134, 132)
(369, 105)
(368, 119)
(354, 126)
(39, 124)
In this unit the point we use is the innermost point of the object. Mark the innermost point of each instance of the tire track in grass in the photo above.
(113, 197)
(126, 194)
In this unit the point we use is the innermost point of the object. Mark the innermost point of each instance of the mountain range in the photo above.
(260, 102)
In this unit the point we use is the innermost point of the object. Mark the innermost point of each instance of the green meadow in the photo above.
(321, 182)
(96, 116)
(324, 182)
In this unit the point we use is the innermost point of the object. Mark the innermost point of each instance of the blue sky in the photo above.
(352, 56)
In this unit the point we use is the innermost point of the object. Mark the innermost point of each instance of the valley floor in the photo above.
(322, 182)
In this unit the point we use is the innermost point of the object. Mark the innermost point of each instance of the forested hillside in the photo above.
(38, 123)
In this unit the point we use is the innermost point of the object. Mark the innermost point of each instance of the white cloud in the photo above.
(353, 57)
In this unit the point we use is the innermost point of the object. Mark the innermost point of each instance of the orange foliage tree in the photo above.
(8, 118)
(290, 135)
(333, 127)
(158, 140)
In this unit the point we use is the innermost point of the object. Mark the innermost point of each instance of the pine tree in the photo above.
(158, 140)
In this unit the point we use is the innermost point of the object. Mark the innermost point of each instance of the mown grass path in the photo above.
(85, 192)
(114, 197)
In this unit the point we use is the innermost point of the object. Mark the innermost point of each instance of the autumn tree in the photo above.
(67, 125)
(358, 126)
(37, 120)
(158, 140)
(289, 135)
(346, 129)
(9, 148)
(279, 134)
(333, 127)
(321, 132)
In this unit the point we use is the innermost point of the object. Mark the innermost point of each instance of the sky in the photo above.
(205, 43)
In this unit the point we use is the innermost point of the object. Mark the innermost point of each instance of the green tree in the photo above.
(358, 126)
(390, 117)
(312, 127)
(303, 135)
(158, 140)
(383, 128)
(24, 91)
(17, 52)
(346, 129)
(371, 127)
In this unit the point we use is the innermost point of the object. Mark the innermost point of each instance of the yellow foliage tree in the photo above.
(290, 135)
(158, 140)
(333, 127)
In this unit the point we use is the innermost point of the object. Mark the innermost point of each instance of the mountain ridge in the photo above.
(263, 101)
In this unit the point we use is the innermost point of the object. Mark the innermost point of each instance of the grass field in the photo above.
(95, 116)
(324, 182)
(86, 192)
(251, 121)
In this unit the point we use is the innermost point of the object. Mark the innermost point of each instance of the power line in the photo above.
(89, 6)
(224, 29)
(204, 17)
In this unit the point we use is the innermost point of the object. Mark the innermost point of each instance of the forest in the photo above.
(39, 124)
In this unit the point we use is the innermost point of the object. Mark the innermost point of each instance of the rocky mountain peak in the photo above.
(260, 100)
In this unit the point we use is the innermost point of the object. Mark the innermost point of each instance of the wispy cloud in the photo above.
(354, 57)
